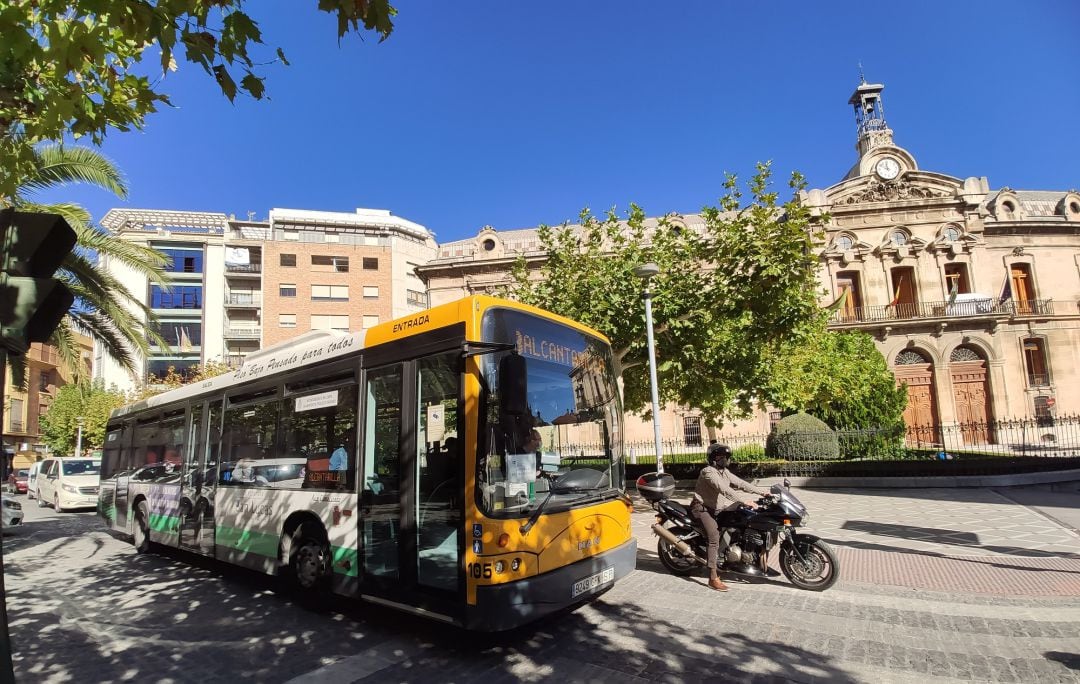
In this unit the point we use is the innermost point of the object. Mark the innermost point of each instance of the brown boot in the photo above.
(717, 584)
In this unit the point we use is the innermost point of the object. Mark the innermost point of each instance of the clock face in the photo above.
(887, 168)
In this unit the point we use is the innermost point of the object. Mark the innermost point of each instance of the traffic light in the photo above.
(32, 302)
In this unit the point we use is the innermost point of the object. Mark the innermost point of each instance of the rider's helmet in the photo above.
(718, 455)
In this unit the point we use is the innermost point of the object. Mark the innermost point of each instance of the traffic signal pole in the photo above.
(6, 666)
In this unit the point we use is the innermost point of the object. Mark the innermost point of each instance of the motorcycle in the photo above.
(750, 536)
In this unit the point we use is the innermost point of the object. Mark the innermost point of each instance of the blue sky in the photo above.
(514, 114)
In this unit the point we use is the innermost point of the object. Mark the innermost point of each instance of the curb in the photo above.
(951, 482)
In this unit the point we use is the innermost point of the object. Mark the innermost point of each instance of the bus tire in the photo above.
(141, 533)
(308, 569)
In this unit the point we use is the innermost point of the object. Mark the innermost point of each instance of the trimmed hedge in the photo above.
(801, 436)
(975, 465)
(748, 453)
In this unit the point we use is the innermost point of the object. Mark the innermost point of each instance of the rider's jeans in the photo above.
(712, 531)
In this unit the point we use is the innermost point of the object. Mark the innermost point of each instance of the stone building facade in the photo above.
(972, 293)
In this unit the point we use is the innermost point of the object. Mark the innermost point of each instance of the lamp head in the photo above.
(646, 270)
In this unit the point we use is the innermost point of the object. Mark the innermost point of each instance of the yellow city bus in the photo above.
(423, 463)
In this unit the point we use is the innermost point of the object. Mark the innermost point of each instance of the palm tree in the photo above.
(104, 308)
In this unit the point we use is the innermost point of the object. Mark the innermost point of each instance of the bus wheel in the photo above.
(309, 560)
(141, 532)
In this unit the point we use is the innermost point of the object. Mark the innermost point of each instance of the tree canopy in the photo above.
(92, 402)
(79, 67)
(730, 293)
(839, 377)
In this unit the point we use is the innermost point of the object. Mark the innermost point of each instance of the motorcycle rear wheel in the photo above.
(673, 561)
(820, 570)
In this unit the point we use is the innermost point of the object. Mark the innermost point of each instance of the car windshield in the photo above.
(23, 474)
(82, 467)
(572, 419)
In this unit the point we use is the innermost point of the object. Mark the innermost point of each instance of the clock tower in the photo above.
(878, 154)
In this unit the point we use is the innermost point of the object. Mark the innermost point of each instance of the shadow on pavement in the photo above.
(938, 536)
(1069, 660)
(175, 616)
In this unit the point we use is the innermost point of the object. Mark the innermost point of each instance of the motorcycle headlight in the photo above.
(70, 488)
(805, 517)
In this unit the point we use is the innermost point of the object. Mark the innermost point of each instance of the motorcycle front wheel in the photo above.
(673, 561)
(817, 569)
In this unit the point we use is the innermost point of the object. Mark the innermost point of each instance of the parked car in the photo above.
(69, 483)
(11, 510)
(31, 480)
(16, 483)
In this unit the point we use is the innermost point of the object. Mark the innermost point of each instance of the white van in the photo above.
(31, 480)
(69, 483)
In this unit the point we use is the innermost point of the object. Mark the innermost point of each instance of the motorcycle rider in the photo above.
(714, 495)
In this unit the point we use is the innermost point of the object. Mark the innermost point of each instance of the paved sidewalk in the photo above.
(84, 608)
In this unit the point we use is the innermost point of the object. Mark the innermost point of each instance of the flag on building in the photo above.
(896, 295)
(237, 256)
(185, 341)
(953, 291)
(839, 303)
(1006, 290)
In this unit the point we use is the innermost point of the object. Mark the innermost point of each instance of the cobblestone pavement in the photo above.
(84, 608)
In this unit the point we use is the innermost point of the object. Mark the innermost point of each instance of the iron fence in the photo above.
(1045, 436)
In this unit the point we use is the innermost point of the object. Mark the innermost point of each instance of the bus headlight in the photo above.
(515, 564)
(500, 567)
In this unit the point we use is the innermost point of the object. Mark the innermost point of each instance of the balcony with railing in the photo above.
(234, 360)
(243, 333)
(243, 299)
(244, 269)
(1038, 379)
(972, 308)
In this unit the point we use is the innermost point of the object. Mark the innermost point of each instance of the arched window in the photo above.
(964, 354)
(951, 234)
(845, 243)
(899, 238)
(909, 357)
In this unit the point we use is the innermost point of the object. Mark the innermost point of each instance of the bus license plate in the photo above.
(593, 581)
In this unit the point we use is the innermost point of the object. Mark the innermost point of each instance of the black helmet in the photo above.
(717, 453)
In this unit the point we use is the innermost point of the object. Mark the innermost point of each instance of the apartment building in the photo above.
(237, 285)
(23, 407)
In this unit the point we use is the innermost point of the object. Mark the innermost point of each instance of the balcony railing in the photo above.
(967, 309)
(16, 426)
(243, 333)
(243, 268)
(234, 361)
(1038, 380)
(243, 298)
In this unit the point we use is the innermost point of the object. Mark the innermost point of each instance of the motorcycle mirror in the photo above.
(787, 483)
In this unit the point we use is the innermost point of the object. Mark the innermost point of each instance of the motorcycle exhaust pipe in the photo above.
(680, 546)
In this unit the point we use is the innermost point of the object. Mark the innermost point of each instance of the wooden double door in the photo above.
(971, 397)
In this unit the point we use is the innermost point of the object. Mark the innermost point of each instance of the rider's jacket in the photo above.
(715, 489)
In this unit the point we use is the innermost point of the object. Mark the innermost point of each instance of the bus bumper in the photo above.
(505, 606)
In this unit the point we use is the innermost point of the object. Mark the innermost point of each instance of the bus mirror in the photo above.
(514, 384)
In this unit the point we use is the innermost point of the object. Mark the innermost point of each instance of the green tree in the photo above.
(92, 402)
(839, 377)
(80, 67)
(174, 379)
(104, 308)
(728, 296)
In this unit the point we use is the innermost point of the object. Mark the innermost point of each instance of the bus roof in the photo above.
(319, 346)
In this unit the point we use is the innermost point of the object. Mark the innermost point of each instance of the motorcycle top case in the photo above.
(656, 486)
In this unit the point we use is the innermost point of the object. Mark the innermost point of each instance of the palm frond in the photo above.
(67, 348)
(77, 217)
(59, 165)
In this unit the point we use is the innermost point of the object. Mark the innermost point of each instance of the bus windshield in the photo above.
(572, 419)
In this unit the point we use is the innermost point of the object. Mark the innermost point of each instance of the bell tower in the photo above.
(870, 117)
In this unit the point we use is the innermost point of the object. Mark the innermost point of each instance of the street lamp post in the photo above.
(646, 272)
(78, 439)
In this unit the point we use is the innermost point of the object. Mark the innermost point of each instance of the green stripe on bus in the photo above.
(345, 556)
(248, 541)
(263, 544)
(169, 524)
